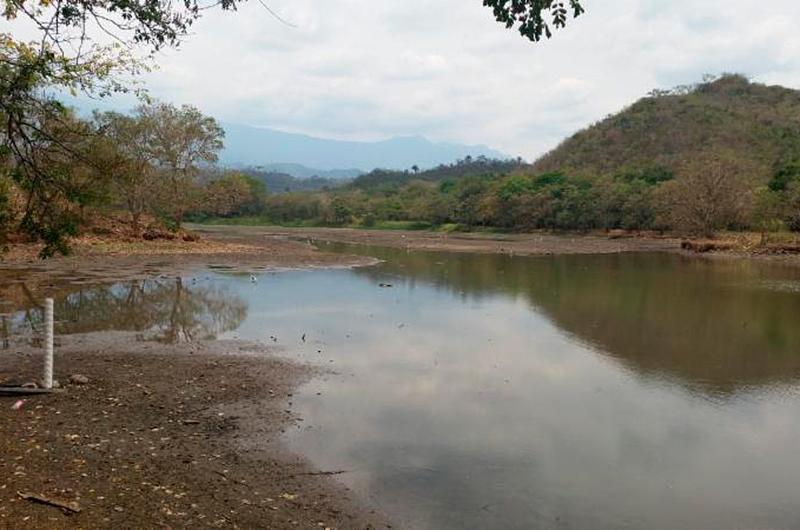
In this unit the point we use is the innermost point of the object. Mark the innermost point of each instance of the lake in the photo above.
(489, 391)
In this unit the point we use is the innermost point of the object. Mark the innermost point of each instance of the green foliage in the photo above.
(530, 16)
(784, 176)
(385, 181)
(791, 212)
(341, 213)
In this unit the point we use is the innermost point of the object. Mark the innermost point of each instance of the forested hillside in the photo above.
(750, 125)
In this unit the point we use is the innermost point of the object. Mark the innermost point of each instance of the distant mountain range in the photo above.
(305, 156)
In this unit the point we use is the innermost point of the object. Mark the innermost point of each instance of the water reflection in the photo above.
(169, 310)
(713, 325)
(490, 392)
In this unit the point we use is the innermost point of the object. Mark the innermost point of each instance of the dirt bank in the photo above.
(518, 244)
(154, 441)
(94, 261)
(726, 245)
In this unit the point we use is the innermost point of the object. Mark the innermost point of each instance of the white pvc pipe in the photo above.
(48, 343)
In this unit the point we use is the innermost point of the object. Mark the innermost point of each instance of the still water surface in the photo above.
(484, 391)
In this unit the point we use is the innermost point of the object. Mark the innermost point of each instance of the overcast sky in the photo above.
(367, 69)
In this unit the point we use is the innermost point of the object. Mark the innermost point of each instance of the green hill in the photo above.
(751, 125)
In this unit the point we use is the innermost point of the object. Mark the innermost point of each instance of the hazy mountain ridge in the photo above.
(247, 146)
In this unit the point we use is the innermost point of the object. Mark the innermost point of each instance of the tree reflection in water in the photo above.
(712, 325)
(165, 310)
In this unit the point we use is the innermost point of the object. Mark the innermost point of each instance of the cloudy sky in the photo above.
(366, 69)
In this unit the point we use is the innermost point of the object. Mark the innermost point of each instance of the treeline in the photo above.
(60, 173)
(386, 180)
(278, 182)
(699, 196)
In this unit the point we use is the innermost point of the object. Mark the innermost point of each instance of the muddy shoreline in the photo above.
(23, 274)
(171, 436)
(517, 244)
(522, 244)
(163, 435)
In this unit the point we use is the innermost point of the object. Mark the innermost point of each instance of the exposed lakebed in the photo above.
(488, 391)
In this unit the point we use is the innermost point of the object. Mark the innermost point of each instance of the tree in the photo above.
(785, 186)
(67, 56)
(233, 193)
(708, 194)
(129, 163)
(182, 140)
(50, 162)
(6, 210)
(530, 16)
(63, 58)
(341, 213)
(792, 206)
(767, 212)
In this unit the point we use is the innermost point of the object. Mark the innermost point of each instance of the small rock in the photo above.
(78, 379)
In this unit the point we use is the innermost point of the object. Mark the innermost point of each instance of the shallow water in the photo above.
(484, 391)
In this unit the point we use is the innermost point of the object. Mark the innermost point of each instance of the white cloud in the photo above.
(360, 69)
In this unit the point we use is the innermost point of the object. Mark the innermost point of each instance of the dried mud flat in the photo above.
(162, 436)
(517, 244)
